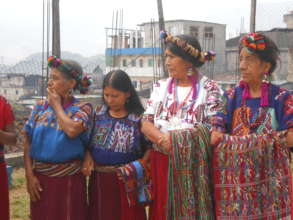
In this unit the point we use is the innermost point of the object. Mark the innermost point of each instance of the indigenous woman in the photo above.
(7, 136)
(117, 153)
(181, 103)
(252, 174)
(56, 137)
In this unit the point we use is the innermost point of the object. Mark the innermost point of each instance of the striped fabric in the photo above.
(190, 175)
(57, 169)
(252, 177)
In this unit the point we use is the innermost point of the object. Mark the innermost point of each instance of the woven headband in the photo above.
(253, 42)
(201, 56)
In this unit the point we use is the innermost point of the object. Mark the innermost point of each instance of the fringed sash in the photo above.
(57, 169)
(252, 177)
(190, 186)
(137, 182)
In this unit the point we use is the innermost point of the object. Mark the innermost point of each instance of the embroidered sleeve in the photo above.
(34, 115)
(152, 102)
(285, 101)
(214, 105)
(222, 119)
(84, 114)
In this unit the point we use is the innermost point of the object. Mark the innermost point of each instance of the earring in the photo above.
(190, 71)
(266, 78)
(70, 91)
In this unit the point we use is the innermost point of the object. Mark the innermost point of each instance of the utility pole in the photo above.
(252, 15)
(56, 28)
(162, 28)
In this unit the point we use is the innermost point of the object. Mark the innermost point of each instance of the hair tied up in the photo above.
(85, 83)
(209, 55)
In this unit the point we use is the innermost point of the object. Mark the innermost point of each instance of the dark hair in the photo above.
(71, 69)
(269, 54)
(178, 51)
(118, 79)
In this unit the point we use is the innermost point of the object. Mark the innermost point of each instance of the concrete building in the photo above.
(17, 86)
(288, 19)
(283, 37)
(138, 51)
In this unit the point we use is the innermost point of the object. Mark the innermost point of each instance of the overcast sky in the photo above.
(83, 21)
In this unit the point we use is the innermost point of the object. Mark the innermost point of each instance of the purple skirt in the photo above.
(62, 198)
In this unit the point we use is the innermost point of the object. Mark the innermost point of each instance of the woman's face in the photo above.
(176, 66)
(59, 83)
(115, 99)
(252, 68)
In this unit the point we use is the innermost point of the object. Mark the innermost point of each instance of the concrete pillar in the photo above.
(290, 65)
(288, 19)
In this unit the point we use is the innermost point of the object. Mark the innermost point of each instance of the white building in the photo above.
(138, 51)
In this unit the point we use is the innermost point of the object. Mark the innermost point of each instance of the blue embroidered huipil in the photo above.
(116, 140)
(49, 143)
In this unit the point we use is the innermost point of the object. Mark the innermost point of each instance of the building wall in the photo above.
(177, 27)
(13, 86)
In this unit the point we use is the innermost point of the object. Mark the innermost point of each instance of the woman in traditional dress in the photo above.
(7, 137)
(56, 137)
(186, 100)
(252, 173)
(117, 154)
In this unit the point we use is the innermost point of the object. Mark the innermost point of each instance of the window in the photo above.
(124, 62)
(208, 32)
(141, 63)
(133, 62)
(193, 31)
(16, 92)
(5, 91)
(150, 62)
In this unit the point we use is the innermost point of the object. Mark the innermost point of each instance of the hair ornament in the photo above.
(209, 55)
(253, 42)
(201, 56)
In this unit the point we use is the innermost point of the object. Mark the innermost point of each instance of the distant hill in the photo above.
(33, 63)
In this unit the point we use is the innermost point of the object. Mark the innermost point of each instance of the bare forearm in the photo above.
(28, 162)
(7, 137)
(151, 132)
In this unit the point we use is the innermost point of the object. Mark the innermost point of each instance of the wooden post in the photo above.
(162, 28)
(252, 15)
(56, 28)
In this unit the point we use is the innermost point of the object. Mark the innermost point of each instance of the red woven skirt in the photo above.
(108, 200)
(4, 198)
(62, 198)
(159, 169)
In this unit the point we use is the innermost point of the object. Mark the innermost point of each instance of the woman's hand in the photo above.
(88, 164)
(54, 99)
(164, 143)
(289, 138)
(216, 138)
(34, 188)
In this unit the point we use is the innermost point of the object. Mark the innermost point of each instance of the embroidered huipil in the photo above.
(252, 166)
(116, 140)
(179, 110)
(49, 143)
(198, 110)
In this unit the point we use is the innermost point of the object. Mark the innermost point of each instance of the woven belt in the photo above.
(106, 169)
